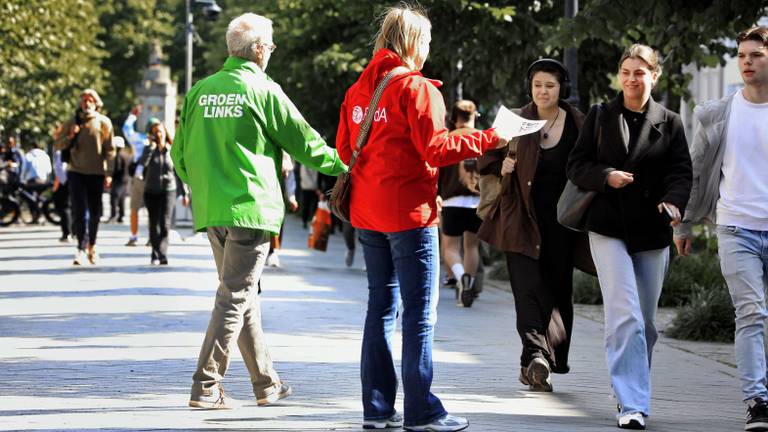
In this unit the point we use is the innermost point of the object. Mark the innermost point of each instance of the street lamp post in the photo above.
(571, 56)
(211, 11)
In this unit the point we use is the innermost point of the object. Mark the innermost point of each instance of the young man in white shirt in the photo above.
(730, 188)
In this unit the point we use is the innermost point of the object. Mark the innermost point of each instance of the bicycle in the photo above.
(28, 203)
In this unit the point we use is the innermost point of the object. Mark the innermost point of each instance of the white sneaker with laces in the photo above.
(631, 420)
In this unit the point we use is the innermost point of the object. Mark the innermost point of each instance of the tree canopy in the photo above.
(52, 49)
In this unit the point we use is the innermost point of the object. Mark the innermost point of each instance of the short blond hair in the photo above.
(401, 30)
(245, 32)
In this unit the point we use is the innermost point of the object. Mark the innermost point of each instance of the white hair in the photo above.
(245, 32)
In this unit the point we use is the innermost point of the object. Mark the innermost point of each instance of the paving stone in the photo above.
(114, 346)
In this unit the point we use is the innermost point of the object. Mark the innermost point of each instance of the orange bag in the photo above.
(320, 229)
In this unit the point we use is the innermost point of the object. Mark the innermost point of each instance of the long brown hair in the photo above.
(151, 135)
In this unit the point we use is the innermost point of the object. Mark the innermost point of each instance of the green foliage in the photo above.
(133, 26)
(323, 45)
(498, 271)
(709, 316)
(51, 49)
(586, 289)
(686, 31)
(49, 53)
(687, 274)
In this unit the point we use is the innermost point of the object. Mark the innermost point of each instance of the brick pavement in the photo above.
(113, 347)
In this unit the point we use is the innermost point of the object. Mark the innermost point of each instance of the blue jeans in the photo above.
(744, 262)
(402, 264)
(631, 287)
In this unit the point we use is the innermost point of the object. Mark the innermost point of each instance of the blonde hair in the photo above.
(645, 53)
(245, 32)
(401, 30)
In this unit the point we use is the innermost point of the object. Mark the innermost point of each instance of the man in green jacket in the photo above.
(234, 127)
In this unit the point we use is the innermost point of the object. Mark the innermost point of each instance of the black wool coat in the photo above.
(660, 163)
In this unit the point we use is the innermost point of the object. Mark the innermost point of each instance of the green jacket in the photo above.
(234, 127)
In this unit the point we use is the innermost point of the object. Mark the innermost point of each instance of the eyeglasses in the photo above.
(269, 47)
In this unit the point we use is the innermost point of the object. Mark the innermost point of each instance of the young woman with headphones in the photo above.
(540, 252)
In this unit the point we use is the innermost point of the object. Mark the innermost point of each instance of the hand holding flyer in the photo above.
(509, 125)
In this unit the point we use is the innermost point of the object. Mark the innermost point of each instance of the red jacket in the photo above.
(394, 182)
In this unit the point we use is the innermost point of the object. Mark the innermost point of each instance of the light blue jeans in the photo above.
(744, 262)
(631, 286)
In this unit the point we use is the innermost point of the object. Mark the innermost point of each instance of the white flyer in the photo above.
(509, 125)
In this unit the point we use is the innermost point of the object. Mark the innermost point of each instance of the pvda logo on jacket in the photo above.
(358, 114)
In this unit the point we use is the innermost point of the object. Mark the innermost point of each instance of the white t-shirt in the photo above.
(744, 183)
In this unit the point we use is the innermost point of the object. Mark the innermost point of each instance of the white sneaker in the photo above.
(631, 420)
(273, 260)
(394, 421)
(79, 257)
(447, 423)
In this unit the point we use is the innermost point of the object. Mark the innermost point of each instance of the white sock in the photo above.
(458, 270)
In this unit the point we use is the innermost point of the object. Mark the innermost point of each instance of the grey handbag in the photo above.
(574, 201)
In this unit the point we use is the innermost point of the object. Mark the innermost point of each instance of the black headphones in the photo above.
(565, 84)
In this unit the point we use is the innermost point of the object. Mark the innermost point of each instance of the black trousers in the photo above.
(85, 191)
(160, 207)
(543, 291)
(308, 205)
(117, 195)
(61, 203)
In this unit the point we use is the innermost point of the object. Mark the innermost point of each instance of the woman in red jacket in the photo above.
(393, 206)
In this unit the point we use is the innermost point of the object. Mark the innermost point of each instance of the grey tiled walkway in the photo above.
(113, 347)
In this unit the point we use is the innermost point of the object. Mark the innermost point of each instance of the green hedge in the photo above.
(708, 316)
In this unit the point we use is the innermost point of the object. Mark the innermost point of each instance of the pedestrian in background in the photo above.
(458, 190)
(540, 253)
(61, 195)
(120, 180)
(309, 195)
(155, 169)
(394, 208)
(38, 168)
(234, 127)
(12, 161)
(638, 163)
(137, 141)
(87, 137)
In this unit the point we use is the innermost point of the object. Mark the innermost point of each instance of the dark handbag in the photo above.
(342, 189)
(572, 207)
(574, 201)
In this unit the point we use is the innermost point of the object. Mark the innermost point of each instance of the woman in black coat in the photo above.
(640, 166)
